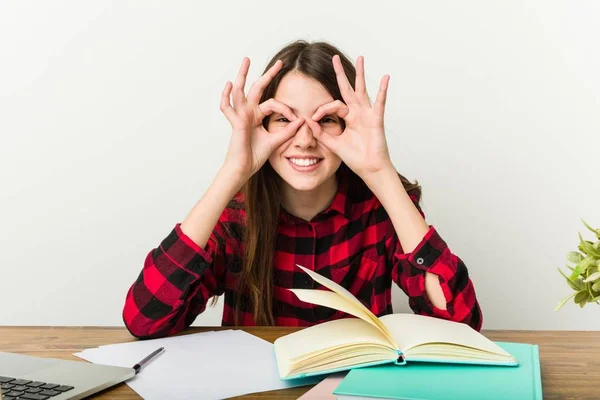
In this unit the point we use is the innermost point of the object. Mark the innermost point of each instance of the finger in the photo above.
(382, 94)
(259, 86)
(283, 135)
(225, 105)
(342, 80)
(336, 107)
(359, 83)
(270, 106)
(240, 82)
(328, 140)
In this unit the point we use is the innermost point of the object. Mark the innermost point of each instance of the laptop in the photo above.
(39, 378)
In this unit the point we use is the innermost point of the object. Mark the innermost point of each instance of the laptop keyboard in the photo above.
(13, 389)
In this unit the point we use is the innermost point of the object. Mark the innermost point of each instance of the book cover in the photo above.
(433, 381)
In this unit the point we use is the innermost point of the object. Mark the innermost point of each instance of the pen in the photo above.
(137, 367)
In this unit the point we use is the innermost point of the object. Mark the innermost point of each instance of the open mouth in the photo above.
(304, 164)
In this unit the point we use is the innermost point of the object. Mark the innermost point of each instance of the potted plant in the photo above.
(585, 273)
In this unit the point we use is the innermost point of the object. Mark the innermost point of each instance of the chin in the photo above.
(304, 184)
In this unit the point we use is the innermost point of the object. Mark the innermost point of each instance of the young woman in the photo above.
(307, 180)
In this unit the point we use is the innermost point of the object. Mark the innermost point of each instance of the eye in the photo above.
(282, 118)
(327, 120)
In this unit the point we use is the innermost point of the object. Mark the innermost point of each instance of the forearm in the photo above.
(167, 296)
(201, 221)
(408, 223)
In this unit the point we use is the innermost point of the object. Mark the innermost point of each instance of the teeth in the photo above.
(304, 162)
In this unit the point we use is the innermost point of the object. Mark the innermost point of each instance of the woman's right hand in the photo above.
(251, 144)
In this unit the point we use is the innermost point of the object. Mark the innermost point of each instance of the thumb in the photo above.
(328, 140)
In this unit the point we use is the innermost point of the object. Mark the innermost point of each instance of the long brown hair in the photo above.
(262, 192)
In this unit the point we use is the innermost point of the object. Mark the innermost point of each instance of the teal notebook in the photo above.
(426, 381)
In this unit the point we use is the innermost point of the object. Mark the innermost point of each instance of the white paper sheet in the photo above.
(209, 365)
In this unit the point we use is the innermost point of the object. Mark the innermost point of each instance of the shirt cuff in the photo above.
(192, 245)
(185, 253)
(428, 253)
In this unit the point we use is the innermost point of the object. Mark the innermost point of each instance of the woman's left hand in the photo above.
(362, 146)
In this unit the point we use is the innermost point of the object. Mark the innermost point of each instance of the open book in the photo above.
(348, 343)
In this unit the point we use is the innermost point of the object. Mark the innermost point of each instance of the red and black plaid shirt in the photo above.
(352, 242)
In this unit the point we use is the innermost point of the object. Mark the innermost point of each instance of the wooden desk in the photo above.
(570, 361)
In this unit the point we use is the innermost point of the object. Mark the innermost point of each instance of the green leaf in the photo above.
(575, 284)
(586, 247)
(564, 301)
(596, 231)
(590, 291)
(574, 257)
(580, 268)
(592, 278)
(581, 297)
(596, 287)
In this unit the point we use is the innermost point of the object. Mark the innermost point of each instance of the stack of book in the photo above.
(405, 356)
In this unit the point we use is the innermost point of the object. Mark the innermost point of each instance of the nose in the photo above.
(304, 137)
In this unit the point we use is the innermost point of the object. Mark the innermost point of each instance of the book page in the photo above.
(335, 301)
(320, 339)
(317, 297)
(412, 330)
(326, 336)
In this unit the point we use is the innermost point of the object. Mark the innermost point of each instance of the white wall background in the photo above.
(111, 131)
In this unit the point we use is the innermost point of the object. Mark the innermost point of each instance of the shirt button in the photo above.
(420, 261)
(202, 264)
